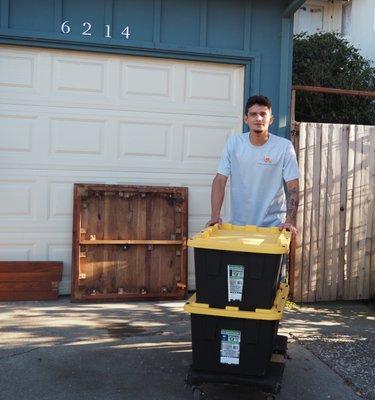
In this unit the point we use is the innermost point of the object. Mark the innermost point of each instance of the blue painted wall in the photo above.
(248, 32)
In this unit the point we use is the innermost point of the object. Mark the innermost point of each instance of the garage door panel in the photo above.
(140, 140)
(204, 143)
(17, 72)
(77, 137)
(60, 200)
(152, 82)
(16, 133)
(210, 87)
(24, 203)
(79, 77)
(16, 251)
(198, 204)
(74, 117)
(23, 136)
(62, 252)
(17, 199)
(200, 201)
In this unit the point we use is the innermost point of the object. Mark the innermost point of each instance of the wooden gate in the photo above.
(335, 248)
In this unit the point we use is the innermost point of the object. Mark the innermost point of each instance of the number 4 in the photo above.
(126, 32)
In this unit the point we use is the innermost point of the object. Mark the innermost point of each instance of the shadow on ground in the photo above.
(343, 336)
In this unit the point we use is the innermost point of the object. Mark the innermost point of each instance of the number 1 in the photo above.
(108, 31)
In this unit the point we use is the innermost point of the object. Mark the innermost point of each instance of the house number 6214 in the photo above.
(86, 30)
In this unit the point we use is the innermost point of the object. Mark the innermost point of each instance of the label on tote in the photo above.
(236, 275)
(230, 347)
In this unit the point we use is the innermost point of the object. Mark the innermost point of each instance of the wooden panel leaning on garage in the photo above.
(129, 242)
(29, 280)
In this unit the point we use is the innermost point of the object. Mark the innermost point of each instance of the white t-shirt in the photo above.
(257, 176)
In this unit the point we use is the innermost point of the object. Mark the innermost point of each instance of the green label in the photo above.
(236, 275)
(230, 347)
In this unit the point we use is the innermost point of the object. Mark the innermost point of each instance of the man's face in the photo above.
(258, 118)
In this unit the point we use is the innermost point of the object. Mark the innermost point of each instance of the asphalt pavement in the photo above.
(110, 351)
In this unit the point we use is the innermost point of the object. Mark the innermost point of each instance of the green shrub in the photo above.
(328, 60)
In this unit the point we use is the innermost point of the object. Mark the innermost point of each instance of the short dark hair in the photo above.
(259, 100)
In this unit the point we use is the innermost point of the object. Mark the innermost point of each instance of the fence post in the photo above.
(294, 139)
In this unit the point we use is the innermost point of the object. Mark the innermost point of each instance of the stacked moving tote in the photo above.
(238, 301)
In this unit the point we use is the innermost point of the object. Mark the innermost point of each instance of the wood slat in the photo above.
(148, 256)
(307, 212)
(322, 213)
(370, 241)
(372, 258)
(328, 234)
(349, 209)
(29, 277)
(336, 160)
(50, 267)
(365, 219)
(80, 216)
(291, 267)
(32, 286)
(342, 259)
(141, 242)
(356, 215)
(301, 154)
(316, 133)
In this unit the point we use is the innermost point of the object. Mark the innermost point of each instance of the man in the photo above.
(258, 163)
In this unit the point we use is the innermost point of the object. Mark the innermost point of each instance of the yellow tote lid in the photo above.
(249, 238)
(271, 314)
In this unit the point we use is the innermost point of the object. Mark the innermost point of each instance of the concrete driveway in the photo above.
(67, 351)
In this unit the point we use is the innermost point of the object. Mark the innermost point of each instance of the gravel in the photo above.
(343, 336)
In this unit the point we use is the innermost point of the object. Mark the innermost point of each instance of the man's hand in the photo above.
(217, 197)
(214, 221)
(289, 227)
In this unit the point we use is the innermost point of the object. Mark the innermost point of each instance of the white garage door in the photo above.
(70, 117)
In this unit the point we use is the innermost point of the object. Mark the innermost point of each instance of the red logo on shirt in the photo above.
(267, 159)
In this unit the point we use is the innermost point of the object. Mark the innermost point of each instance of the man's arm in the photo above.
(217, 198)
(292, 195)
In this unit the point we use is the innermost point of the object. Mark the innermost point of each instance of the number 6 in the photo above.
(65, 28)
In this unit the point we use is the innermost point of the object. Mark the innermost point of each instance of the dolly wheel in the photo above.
(197, 394)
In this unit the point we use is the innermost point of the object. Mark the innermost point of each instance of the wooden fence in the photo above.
(335, 248)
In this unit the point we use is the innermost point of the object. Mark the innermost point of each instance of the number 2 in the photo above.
(86, 32)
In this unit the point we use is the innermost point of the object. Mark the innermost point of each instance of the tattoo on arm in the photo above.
(292, 200)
